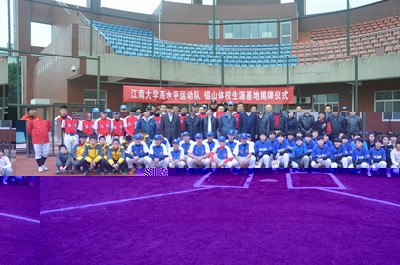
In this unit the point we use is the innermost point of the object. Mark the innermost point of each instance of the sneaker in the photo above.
(111, 172)
(31, 184)
(122, 172)
(85, 173)
(40, 169)
(388, 173)
(5, 183)
(58, 172)
(369, 173)
(45, 168)
(102, 173)
(132, 171)
(71, 172)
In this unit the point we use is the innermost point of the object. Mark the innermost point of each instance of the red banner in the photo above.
(188, 95)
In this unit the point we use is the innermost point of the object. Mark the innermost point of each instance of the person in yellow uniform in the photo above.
(116, 158)
(92, 157)
(77, 151)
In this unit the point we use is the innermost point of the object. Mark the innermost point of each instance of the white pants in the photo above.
(226, 165)
(250, 162)
(326, 163)
(160, 164)
(396, 170)
(180, 164)
(381, 164)
(41, 150)
(70, 140)
(192, 163)
(362, 165)
(283, 160)
(344, 161)
(7, 172)
(142, 162)
(304, 161)
(108, 138)
(265, 160)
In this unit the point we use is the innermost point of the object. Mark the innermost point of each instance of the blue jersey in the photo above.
(223, 153)
(199, 151)
(338, 152)
(176, 155)
(318, 153)
(261, 149)
(377, 155)
(360, 155)
(186, 146)
(280, 148)
(350, 149)
(329, 144)
(140, 150)
(232, 144)
(291, 144)
(310, 146)
(315, 141)
(243, 150)
(158, 151)
(299, 150)
(211, 145)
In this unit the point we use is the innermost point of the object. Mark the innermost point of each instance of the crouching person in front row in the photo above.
(5, 167)
(199, 153)
(221, 156)
(93, 157)
(137, 154)
(244, 154)
(299, 154)
(176, 155)
(263, 150)
(158, 154)
(361, 157)
(339, 154)
(64, 161)
(321, 154)
(116, 158)
(77, 151)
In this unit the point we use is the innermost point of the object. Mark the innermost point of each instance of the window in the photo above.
(40, 34)
(319, 102)
(211, 28)
(75, 2)
(5, 124)
(286, 31)
(90, 97)
(389, 103)
(250, 30)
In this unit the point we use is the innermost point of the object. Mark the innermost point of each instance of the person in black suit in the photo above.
(192, 125)
(209, 123)
(248, 123)
(170, 125)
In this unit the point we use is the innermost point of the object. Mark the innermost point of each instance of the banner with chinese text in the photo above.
(203, 95)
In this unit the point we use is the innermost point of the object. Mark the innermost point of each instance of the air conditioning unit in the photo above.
(40, 101)
(304, 100)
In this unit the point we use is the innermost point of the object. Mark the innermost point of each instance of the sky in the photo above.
(148, 6)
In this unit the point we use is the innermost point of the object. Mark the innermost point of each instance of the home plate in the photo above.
(268, 180)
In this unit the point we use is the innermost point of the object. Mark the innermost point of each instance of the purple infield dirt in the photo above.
(20, 228)
(166, 220)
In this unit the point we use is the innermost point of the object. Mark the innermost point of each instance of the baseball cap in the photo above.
(157, 137)
(96, 110)
(195, 104)
(345, 108)
(138, 136)
(185, 133)
(175, 141)
(210, 134)
(223, 103)
(243, 135)
(204, 106)
(123, 107)
(231, 132)
(148, 107)
(230, 103)
(249, 135)
(107, 110)
(213, 102)
(221, 139)
(116, 112)
(199, 135)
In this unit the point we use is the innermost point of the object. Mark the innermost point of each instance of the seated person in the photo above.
(299, 154)
(137, 154)
(116, 158)
(199, 153)
(263, 151)
(280, 152)
(221, 156)
(244, 153)
(158, 154)
(5, 167)
(93, 157)
(320, 154)
(63, 161)
(339, 154)
(77, 151)
(176, 155)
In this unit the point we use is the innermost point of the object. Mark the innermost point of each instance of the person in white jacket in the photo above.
(5, 167)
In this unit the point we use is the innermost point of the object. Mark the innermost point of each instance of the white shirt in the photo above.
(129, 149)
(209, 124)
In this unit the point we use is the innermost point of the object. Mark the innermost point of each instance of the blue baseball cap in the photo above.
(96, 110)
(107, 110)
(117, 112)
(123, 107)
(137, 136)
(243, 135)
(210, 134)
(204, 106)
(175, 141)
(198, 135)
(221, 139)
(231, 132)
(249, 135)
(157, 137)
(230, 103)
(185, 133)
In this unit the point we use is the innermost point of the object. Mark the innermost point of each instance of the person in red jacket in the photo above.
(31, 114)
(39, 130)
(118, 127)
(104, 126)
(182, 116)
(87, 126)
(130, 122)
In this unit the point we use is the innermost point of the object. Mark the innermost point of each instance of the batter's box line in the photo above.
(199, 183)
(339, 184)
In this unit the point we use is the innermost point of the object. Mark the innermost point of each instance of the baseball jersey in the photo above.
(280, 148)
(176, 155)
(377, 155)
(140, 150)
(318, 153)
(60, 118)
(104, 127)
(158, 151)
(118, 127)
(232, 144)
(70, 126)
(86, 126)
(197, 150)
(338, 152)
(182, 120)
(223, 153)
(186, 146)
(158, 121)
(211, 145)
(130, 123)
(243, 150)
(261, 148)
(362, 154)
(310, 146)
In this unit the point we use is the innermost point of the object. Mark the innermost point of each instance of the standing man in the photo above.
(209, 124)
(213, 106)
(130, 122)
(148, 124)
(87, 126)
(263, 123)
(118, 126)
(248, 123)
(31, 114)
(240, 110)
(338, 125)
(322, 125)
(104, 126)
(353, 124)
(278, 122)
(306, 122)
(170, 125)
(195, 108)
(192, 124)
(227, 122)
(39, 130)
(182, 117)
(70, 130)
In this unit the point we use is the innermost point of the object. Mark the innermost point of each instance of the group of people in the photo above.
(217, 138)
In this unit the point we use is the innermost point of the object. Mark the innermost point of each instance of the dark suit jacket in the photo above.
(171, 130)
(263, 124)
(214, 125)
(243, 124)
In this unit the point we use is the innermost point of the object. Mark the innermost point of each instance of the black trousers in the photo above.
(123, 166)
(86, 165)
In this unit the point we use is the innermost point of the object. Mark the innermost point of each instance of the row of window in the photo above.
(253, 29)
